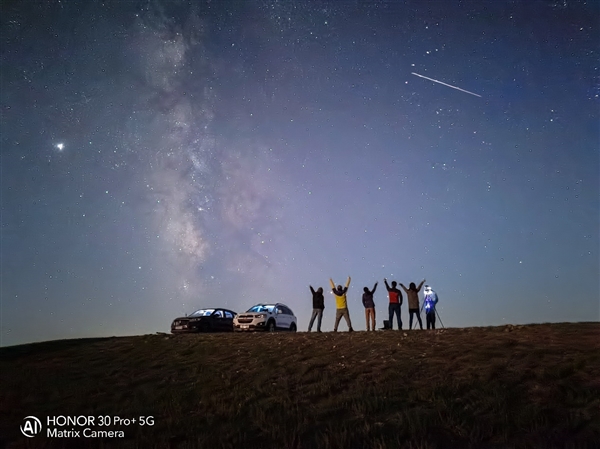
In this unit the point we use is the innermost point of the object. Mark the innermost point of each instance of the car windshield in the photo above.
(262, 308)
(202, 312)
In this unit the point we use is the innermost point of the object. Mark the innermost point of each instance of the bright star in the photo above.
(60, 146)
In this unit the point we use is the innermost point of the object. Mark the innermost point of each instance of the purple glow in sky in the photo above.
(159, 157)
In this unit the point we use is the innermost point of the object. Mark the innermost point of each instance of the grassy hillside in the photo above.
(512, 386)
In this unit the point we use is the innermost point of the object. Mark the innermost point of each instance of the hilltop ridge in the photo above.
(506, 386)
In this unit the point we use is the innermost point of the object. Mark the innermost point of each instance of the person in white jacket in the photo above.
(429, 302)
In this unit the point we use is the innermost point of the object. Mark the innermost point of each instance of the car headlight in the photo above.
(261, 315)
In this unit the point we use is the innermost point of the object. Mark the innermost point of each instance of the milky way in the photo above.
(159, 157)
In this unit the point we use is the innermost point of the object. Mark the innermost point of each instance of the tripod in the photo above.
(436, 312)
(418, 319)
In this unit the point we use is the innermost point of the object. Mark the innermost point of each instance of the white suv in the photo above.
(267, 317)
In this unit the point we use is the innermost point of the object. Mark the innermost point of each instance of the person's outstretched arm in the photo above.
(403, 287)
(420, 285)
(332, 284)
(386, 284)
(374, 288)
(312, 289)
(348, 282)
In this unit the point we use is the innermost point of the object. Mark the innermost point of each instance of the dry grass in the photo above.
(511, 386)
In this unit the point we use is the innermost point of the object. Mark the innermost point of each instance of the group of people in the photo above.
(395, 302)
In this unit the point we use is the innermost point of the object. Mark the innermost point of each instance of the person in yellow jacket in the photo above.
(341, 304)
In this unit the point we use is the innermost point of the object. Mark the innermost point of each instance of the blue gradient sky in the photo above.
(159, 157)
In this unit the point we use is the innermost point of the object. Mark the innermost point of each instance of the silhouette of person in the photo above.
(318, 307)
(395, 303)
(429, 301)
(412, 294)
(369, 304)
(341, 304)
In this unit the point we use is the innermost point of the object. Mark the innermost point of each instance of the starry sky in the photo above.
(158, 157)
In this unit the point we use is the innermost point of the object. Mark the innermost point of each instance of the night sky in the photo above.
(159, 157)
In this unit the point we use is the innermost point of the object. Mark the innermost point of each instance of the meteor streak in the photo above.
(448, 85)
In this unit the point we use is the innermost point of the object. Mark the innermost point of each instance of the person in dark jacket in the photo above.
(369, 304)
(395, 303)
(318, 307)
(412, 293)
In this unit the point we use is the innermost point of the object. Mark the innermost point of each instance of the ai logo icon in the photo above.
(31, 427)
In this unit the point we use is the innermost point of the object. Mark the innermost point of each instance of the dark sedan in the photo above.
(204, 320)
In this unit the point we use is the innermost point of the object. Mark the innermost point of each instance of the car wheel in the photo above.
(293, 327)
(271, 326)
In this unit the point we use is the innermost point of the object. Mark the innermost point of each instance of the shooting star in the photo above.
(448, 85)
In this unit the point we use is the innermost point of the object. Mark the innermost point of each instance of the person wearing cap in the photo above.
(429, 301)
(341, 304)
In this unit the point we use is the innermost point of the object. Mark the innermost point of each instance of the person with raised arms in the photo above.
(318, 307)
(412, 294)
(395, 303)
(341, 304)
(369, 304)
